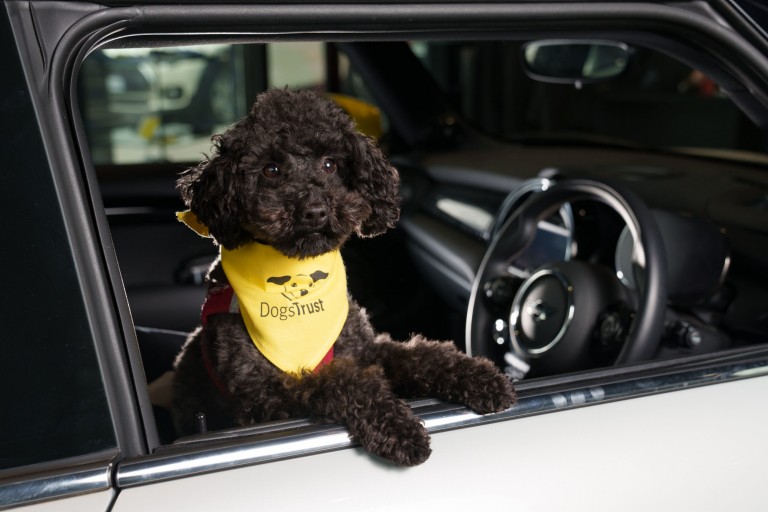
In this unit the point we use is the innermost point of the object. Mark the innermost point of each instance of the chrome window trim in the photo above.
(271, 442)
(29, 489)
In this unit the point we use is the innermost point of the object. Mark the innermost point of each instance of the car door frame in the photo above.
(53, 39)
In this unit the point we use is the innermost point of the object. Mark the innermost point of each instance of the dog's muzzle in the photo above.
(315, 215)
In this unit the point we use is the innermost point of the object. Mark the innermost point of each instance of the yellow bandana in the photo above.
(294, 309)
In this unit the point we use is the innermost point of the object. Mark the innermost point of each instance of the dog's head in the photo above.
(294, 174)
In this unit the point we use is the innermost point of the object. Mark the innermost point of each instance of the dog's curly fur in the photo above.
(297, 175)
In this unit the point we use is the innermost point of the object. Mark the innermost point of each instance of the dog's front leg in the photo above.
(422, 367)
(342, 391)
(361, 398)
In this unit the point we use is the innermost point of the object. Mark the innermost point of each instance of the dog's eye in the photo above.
(271, 170)
(329, 166)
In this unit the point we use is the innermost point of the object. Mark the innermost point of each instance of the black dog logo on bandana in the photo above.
(297, 286)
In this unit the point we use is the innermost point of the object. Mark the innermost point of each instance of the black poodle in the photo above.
(286, 187)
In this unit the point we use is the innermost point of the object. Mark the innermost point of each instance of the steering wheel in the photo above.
(567, 315)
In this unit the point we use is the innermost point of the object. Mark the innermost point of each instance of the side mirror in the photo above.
(575, 61)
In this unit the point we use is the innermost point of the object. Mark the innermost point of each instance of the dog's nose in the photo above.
(315, 215)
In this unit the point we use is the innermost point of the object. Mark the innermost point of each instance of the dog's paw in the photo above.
(484, 388)
(407, 444)
(397, 436)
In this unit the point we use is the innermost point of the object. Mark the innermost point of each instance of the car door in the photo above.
(637, 437)
(634, 455)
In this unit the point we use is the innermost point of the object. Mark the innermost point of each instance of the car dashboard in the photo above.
(455, 204)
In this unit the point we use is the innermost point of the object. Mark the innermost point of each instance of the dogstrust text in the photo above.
(296, 309)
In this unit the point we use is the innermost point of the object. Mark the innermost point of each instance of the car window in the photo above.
(696, 111)
(296, 64)
(162, 104)
(158, 105)
(53, 398)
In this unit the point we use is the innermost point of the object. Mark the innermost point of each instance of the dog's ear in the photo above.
(209, 190)
(374, 178)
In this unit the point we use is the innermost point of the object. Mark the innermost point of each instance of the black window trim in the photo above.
(48, 76)
(88, 468)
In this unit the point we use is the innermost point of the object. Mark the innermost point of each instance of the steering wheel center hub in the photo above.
(541, 312)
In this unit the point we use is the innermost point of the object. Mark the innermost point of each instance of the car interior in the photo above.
(567, 205)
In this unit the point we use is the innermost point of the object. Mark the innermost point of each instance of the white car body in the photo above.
(648, 453)
(698, 448)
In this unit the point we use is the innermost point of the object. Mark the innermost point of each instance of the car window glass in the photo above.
(513, 106)
(144, 105)
(53, 398)
(157, 105)
(295, 64)
(162, 104)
